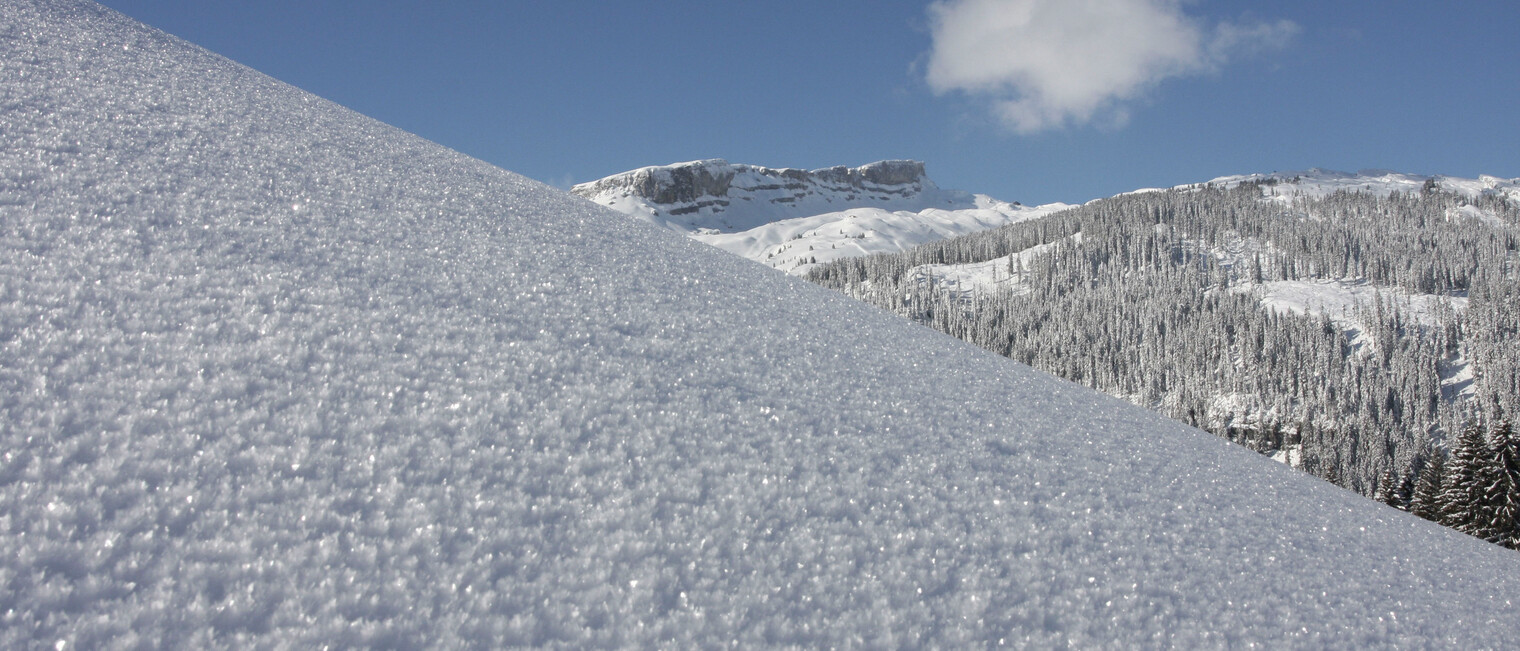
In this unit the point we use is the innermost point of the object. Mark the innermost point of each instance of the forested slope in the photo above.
(1167, 299)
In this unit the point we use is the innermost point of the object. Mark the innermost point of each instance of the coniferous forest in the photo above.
(1156, 297)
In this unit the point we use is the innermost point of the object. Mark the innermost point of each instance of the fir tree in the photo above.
(1387, 488)
(1426, 501)
(1404, 494)
(1502, 495)
(1464, 493)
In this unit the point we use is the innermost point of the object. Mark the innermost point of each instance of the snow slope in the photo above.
(991, 276)
(1340, 299)
(273, 374)
(792, 219)
(797, 245)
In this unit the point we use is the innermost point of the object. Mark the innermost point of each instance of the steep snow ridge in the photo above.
(273, 375)
(792, 219)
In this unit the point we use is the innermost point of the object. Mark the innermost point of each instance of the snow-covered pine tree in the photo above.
(1426, 500)
(1502, 495)
(1469, 474)
(1387, 488)
(1404, 493)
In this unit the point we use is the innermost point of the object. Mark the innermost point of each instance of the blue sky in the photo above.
(574, 90)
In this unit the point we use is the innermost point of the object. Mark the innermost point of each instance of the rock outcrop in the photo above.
(691, 182)
(708, 194)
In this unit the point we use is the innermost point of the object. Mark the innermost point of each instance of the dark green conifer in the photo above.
(1426, 501)
(1469, 473)
(1502, 496)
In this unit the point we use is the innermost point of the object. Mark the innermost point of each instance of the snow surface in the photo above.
(794, 220)
(273, 374)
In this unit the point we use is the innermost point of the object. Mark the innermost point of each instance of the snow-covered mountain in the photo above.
(273, 374)
(716, 195)
(1343, 302)
(793, 219)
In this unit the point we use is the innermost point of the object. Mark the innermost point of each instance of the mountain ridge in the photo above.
(795, 220)
(700, 195)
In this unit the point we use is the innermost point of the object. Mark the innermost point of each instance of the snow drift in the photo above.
(273, 373)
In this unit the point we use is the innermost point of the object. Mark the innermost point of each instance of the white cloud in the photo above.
(1047, 64)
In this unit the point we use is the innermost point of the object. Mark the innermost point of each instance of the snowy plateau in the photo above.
(794, 220)
(275, 375)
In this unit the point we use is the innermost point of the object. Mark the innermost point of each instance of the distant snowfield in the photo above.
(273, 374)
(797, 245)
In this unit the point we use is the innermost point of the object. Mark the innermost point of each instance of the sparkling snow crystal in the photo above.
(275, 374)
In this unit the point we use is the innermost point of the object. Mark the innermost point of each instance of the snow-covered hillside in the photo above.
(1345, 302)
(795, 220)
(1365, 330)
(792, 219)
(1317, 183)
(1340, 299)
(273, 374)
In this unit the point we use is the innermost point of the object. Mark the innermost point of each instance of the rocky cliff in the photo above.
(715, 195)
